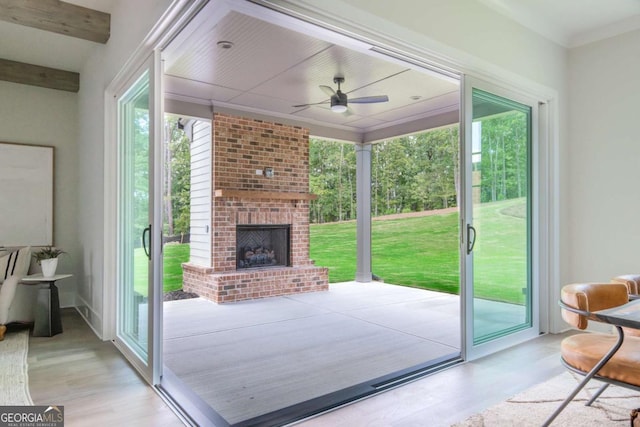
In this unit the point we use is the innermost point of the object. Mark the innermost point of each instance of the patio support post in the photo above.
(363, 223)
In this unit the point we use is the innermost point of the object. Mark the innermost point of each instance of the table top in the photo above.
(625, 315)
(39, 278)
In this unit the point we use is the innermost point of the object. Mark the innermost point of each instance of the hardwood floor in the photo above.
(99, 388)
(92, 380)
(452, 395)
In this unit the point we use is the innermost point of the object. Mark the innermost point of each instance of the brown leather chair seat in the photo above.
(583, 351)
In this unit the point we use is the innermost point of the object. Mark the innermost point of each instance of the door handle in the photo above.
(471, 238)
(146, 231)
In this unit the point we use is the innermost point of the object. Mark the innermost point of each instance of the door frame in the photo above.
(152, 69)
(176, 17)
(470, 351)
(426, 56)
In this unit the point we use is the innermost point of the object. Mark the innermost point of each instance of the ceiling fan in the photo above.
(339, 101)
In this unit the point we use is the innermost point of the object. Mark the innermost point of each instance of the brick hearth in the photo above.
(240, 197)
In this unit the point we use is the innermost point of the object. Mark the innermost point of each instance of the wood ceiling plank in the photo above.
(58, 17)
(35, 75)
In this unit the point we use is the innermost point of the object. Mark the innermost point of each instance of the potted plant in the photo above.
(47, 258)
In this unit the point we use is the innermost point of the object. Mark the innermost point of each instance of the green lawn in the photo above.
(174, 256)
(420, 252)
(423, 252)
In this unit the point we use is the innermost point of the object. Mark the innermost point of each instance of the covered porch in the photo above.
(252, 358)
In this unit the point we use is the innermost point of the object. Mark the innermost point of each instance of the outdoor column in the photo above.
(363, 223)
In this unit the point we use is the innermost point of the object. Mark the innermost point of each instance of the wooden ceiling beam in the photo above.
(58, 17)
(35, 75)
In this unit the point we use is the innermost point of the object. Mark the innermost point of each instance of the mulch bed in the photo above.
(179, 294)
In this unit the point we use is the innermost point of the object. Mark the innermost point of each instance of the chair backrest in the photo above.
(632, 281)
(591, 297)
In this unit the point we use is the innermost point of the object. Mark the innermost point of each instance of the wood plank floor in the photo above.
(92, 380)
(253, 357)
(99, 388)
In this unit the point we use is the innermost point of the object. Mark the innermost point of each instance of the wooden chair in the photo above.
(611, 358)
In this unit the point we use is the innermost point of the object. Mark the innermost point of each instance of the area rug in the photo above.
(533, 406)
(14, 379)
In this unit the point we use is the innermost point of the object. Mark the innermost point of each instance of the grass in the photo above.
(423, 252)
(174, 256)
(420, 252)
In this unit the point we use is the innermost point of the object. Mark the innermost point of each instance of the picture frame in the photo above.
(26, 194)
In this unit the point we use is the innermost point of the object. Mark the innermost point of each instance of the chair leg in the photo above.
(3, 329)
(597, 395)
(587, 377)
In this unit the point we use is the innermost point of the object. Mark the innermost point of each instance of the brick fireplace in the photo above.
(245, 201)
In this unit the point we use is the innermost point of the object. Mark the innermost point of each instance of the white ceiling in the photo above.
(270, 69)
(47, 49)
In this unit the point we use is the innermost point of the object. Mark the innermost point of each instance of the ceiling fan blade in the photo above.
(369, 99)
(308, 105)
(328, 90)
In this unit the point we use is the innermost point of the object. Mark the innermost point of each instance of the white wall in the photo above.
(604, 200)
(130, 23)
(33, 115)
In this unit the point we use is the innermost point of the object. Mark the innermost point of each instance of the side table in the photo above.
(47, 316)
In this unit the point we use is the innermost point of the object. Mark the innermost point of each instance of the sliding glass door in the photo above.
(138, 233)
(498, 243)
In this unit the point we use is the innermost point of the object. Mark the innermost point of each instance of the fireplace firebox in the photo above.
(262, 246)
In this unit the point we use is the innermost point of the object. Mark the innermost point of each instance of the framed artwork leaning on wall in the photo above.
(26, 195)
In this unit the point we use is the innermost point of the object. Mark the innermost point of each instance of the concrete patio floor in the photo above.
(249, 358)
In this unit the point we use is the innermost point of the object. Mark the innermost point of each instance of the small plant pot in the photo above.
(49, 267)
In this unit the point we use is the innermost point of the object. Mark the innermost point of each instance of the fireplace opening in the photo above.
(260, 246)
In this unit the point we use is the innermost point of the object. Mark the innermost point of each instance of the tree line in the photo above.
(412, 173)
(420, 172)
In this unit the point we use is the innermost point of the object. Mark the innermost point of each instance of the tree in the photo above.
(504, 156)
(177, 178)
(332, 179)
(410, 173)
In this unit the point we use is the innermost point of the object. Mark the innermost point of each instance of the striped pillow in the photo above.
(15, 263)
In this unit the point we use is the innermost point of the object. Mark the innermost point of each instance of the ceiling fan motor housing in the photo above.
(339, 99)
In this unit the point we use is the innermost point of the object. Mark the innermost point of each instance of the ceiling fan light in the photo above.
(338, 108)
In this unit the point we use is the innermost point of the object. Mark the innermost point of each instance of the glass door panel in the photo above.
(498, 240)
(134, 216)
(500, 138)
(136, 245)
